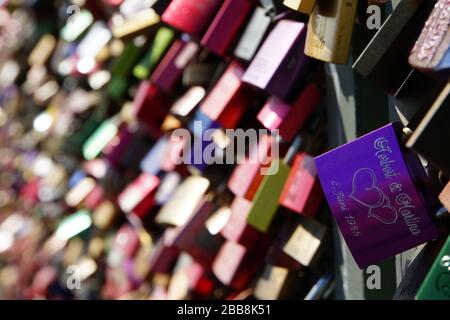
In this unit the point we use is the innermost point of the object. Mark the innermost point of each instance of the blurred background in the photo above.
(94, 202)
(92, 205)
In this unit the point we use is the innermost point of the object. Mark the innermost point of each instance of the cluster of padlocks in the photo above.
(188, 149)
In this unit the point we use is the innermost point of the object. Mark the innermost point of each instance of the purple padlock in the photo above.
(376, 193)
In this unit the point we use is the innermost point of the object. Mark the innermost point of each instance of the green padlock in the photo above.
(76, 26)
(123, 66)
(103, 135)
(74, 225)
(266, 200)
(436, 285)
(161, 43)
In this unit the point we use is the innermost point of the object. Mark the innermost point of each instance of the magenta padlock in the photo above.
(377, 193)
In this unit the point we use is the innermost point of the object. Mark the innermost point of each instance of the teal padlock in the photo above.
(436, 285)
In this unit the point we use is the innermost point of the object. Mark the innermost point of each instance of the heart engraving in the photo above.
(385, 214)
(366, 192)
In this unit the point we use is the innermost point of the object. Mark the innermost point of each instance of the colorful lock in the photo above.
(226, 25)
(253, 35)
(169, 72)
(235, 266)
(194, 239)
(431, 52)
(150, 106)
(303, 6)
(290, 119)
(302, 193)
(151, 163)
(202, 151)
(330, 29)
(138, 197)
(372, 188)
(227, 102)
(436, 285)
(162, 41)
(247, 176)
(237, 229)
(265, 203)
(280, 62)
(191, 16)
